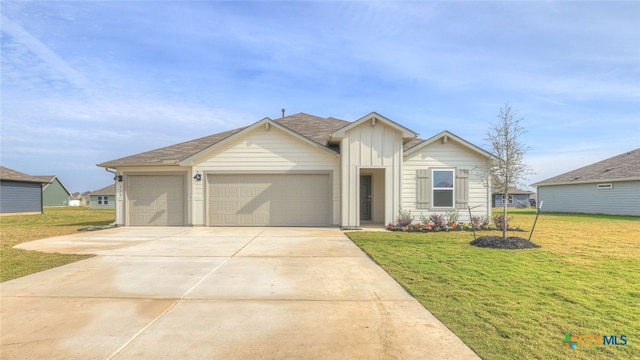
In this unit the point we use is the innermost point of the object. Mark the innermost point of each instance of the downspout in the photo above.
(113, 172)
(115, 222)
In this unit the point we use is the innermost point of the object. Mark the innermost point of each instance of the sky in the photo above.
(84, 82)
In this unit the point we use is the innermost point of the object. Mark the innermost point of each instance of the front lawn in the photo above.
(519, 304)
(55, 221)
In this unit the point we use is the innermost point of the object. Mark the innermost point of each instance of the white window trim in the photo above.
(607, 186)
(510, 199)
(434, 188)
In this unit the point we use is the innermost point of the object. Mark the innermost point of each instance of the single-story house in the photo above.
(517, 198)
(73, 201)
(20, 193)
(54, 193)
(302, 170)
(104, 198)
(611, 186)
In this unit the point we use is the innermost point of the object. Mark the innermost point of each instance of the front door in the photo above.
(365, 197)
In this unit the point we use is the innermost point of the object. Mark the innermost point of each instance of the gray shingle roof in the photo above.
(621, 167)
(171, 154)
(10, 174)
(314, 128)
(107, 190)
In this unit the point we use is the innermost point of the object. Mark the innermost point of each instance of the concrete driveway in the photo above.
(216, 293)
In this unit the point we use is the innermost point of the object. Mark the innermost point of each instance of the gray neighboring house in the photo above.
(104, 198)
(518, 198)
(611, 186)
(20, 193)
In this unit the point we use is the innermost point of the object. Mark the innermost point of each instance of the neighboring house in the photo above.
(517, 198)
(104, 198)
(19, 193)
(611, 186)
(75, 202)
(302, 170)
(54, 193)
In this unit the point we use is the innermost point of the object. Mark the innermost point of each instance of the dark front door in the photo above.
(365, 197)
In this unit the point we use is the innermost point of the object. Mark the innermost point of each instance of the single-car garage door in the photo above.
(155, 199)
(270, 200)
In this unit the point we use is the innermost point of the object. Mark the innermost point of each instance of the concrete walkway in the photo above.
(216, 293)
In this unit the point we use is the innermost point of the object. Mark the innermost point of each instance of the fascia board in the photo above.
(458, 139)
(406, 133)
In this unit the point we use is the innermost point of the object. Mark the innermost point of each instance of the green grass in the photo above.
(518, 304)
(55, 221)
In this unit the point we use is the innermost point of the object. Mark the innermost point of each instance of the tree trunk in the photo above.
(504, 215)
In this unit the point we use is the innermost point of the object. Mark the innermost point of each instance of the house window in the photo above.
(605, 186)
(442, 189)
(103, 200)
(510, 199)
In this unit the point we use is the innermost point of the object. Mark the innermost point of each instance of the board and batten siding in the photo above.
(445, 155)
(265, 151)
(622, 199)
(371, 147)
(20, 197)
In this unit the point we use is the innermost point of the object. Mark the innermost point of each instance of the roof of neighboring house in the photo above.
(314, 128)
(50, 179)
(513, 191)
(13, 175)
(107, 190)
(621, 167)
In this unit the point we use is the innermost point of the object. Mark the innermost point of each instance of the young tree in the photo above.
(508, 168)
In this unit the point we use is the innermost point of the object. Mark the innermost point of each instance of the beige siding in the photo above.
(367, 147)
(263, 151)
(447, 155)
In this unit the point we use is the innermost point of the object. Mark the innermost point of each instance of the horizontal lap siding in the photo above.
(263, 152)
(18, 197)
(622, 199)
(450, 155)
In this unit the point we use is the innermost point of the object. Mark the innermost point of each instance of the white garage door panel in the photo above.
(155, 200)
(270, 200)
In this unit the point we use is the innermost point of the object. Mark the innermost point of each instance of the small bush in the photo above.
(500, 221)
(438, 221)
(404, 218)
(477, 221)
(452, 216)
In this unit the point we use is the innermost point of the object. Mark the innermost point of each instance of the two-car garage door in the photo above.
(269, 200)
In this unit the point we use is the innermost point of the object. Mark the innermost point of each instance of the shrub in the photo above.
(452, 216)
(501, 222)
(438, 221)
(404, 218)
(477, 221)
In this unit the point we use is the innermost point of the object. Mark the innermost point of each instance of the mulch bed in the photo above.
(497, 242)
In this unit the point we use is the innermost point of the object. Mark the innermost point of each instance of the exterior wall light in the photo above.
(198, 177)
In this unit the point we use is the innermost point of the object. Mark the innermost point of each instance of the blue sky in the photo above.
(84, 82)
